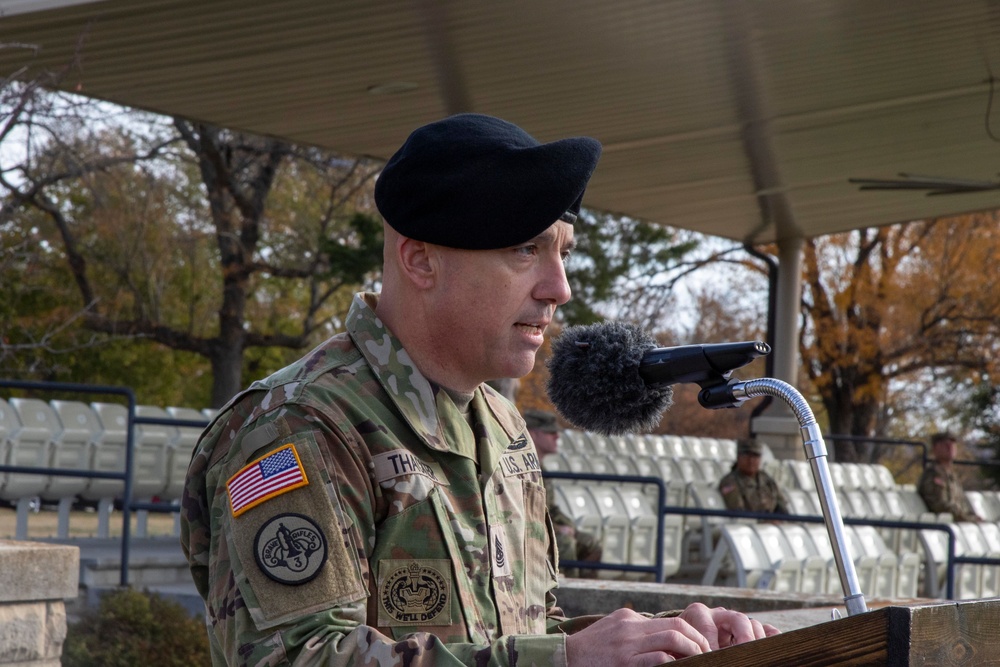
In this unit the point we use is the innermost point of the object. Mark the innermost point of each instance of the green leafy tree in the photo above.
(623, 268)
(188, 242)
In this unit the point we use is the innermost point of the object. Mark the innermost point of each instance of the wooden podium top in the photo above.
(948, 633)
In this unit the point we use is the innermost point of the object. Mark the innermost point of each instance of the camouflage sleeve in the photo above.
(782, 506)
(932, 489)
(964, 508)
(730, 491)
(265, 609)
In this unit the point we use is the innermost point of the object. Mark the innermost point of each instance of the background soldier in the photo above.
(572, 544)
(749, 488)
(939, 485)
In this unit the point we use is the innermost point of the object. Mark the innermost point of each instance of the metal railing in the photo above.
(128, 503)
(657, 568)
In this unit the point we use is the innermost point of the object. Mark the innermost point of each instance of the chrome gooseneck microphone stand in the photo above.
(732, 394)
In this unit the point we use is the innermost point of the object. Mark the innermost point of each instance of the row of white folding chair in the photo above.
(585, 442)
(985, 503)
(72, 435)
(793, 557)
(625, 519)
(971, 580)
(669, 469)
(798, 474)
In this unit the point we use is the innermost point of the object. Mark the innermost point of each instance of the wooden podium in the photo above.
(949, 633)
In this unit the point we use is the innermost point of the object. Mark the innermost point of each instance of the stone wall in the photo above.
(35, 580)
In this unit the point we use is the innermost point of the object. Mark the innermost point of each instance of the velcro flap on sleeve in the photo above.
(292, 551)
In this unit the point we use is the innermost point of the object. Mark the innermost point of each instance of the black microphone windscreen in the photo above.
(594, 379)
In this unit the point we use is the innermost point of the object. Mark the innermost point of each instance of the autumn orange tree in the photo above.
(889, 310)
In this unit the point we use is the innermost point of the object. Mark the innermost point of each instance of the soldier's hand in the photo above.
(624, 637)
(725, 627)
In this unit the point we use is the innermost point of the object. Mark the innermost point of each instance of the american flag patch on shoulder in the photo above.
(267, 477)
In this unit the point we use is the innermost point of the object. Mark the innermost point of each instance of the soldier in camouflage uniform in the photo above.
(940, 486)
(571, 543)
(749, 488)
(375, 503)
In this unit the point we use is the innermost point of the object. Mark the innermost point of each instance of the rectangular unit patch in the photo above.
(267, 477)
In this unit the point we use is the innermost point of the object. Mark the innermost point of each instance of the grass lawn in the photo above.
(45, 523)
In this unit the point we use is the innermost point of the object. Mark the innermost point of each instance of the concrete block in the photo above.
(35, 571)
(23, 634)
(581, 597)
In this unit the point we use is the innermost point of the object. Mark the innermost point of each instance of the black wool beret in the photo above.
(478, 182)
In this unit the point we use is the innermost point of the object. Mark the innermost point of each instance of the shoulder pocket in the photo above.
(288, 534)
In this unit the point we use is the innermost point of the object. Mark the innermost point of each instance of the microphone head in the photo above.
(594, 379)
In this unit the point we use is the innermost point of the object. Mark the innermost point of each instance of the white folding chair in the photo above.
(647, 466)
(30, 446)
(976, 545)
(741, 560)
(619, 445)
(935, 549)
(869, 477)
(800, 473)
(696, 447)
(637, 445)
(109, 456)
(596, 443)
(655, 445)
(675, 447)
(179, 453)
(624, 465)
(579, 506)
(642, 524)
(701, 532)
(815, 569)
(570, 442)
(869, 543)
(803, 503)
(75, 446)
(783, 559)
(555, 462)
(728, 447)
(977, 500)
(821, 541)
(615, 527)
(580, 462)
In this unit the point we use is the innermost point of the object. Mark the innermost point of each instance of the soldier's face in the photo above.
(491, 307)
(546, 442)
(944, 451)
(748, 464)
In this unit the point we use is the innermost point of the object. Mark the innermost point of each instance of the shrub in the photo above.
(130, 629)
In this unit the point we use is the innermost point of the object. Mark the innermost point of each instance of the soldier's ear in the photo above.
(416, 262)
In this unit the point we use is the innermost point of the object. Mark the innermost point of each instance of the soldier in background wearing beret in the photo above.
(940, 486)
(749, 488)
(572, 544)
(375, 503)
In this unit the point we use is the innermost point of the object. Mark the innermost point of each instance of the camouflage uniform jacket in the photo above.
(329, 520)
(942, 492)
(753, 494)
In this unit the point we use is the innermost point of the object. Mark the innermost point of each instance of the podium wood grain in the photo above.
(950, 633)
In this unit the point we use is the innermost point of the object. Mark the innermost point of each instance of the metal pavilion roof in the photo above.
(737, 118)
